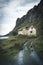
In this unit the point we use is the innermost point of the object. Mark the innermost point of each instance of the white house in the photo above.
(22, 31)
(31, 31)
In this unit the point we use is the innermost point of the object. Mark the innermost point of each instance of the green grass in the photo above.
(38, 45)
(12, 45)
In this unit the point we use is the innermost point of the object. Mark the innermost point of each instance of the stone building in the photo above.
(31, 31)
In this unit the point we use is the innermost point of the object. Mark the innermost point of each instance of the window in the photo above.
(26, 28)
(30, 31)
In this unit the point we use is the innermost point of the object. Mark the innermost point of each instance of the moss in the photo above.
(12, 45)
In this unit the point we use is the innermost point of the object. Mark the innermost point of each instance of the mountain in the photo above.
(33, 17)
(14, 44)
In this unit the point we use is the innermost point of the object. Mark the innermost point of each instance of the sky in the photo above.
(10, 10)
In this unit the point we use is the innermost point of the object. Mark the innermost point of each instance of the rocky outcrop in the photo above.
(33, 17)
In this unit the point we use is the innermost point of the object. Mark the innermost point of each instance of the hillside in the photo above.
(33, 17)
(15, 42)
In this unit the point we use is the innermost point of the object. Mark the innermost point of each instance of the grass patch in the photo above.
(12, 45)
(38, 45)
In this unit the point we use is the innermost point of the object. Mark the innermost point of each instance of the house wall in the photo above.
(20, 32)
(23, 32)
(33, 32)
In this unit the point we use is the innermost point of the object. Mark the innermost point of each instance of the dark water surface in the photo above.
(23, 58)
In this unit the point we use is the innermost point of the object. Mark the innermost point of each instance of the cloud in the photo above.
(10, 10)
(25, 2)
(4, 3)
(5, 28)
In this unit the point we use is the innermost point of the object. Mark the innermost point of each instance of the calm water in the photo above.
(24, 57)
(3, 37)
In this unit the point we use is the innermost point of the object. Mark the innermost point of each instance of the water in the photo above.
(4, 37)
(24, 57)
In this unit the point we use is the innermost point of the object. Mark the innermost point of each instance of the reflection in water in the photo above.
(36, 57)
(20, 58)
(23, 58)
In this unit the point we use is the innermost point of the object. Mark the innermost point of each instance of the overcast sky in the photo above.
(10, 10)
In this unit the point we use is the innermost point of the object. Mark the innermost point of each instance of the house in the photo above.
(31, 31)
(22, 31)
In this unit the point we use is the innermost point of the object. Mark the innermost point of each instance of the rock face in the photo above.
(33, 17)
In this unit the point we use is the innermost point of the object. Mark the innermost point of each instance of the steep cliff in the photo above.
(33, 17)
